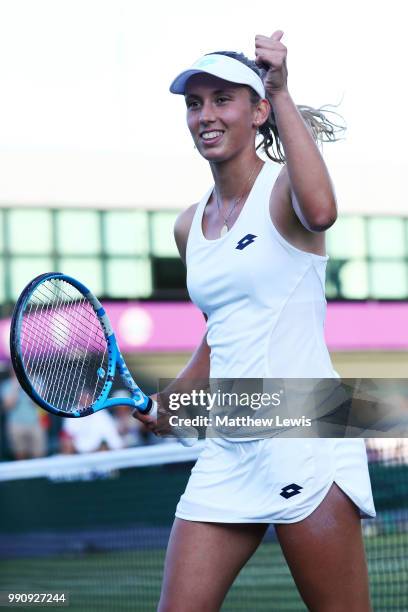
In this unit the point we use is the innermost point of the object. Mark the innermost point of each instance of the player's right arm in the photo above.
(199, 365)
(182, 228)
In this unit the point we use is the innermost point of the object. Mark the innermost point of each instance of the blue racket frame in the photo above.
(138, 399)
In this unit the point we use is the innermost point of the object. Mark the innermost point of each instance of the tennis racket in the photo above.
(64, 351)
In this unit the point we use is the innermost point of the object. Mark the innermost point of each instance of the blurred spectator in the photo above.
(132, 431)
(373, 450)
(88, 434)
(24, 427)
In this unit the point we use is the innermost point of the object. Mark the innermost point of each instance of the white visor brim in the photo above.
(223, 67)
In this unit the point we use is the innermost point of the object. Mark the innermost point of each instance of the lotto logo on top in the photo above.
(245, 241)
(204, 62)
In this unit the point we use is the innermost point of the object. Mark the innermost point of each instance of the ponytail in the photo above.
(321, 128)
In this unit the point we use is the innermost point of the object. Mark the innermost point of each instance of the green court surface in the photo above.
(130, 580)
(98, 530)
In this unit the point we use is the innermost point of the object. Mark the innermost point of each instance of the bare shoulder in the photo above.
(182, 229)
(286, 221)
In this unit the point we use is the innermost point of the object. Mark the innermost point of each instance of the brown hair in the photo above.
(322, 129)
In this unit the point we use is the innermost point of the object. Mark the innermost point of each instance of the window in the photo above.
(78, 232)
(386, 237)
(2, 283)
(388, 279)
(126, 233)
(24, 269)
(163, 244)
(30, 232)
(354, 280)
(131, 254)
(129, 278)
(346, 238)
(1, 231)
(88, 270)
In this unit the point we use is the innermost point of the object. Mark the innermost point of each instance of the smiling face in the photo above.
(220, 117)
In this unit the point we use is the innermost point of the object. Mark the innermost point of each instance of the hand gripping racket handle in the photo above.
(179, 432)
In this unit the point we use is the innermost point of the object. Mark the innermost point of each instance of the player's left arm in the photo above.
(311, 190)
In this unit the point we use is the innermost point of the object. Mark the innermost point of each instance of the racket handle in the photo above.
(179, 432)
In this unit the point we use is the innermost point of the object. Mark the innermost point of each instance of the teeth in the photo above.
(208, 135)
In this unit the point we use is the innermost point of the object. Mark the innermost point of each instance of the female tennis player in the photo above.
(254, 248)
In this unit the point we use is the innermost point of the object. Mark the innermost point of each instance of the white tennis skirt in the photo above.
(274, 480)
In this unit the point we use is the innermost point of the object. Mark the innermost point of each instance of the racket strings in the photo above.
(55, 356)
(62, 327)
(94, 360)
(82, 375)
(69, 369)
(95, 341)
(63, 346)
(60, 337)
(83, 314)
(66, 372)
(62, 321)
(52, 356)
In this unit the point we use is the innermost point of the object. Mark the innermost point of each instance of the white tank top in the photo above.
(264, 298)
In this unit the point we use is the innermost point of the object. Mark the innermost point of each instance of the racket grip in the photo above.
(179, 432)
(153, 410)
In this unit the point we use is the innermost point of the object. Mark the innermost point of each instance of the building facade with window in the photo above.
(129, 255)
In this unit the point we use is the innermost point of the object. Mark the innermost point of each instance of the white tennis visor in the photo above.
(223, 67)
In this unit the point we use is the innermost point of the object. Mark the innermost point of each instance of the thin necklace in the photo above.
(225, 227)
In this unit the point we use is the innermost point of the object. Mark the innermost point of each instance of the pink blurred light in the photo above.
(367, 326)
(179, 326)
